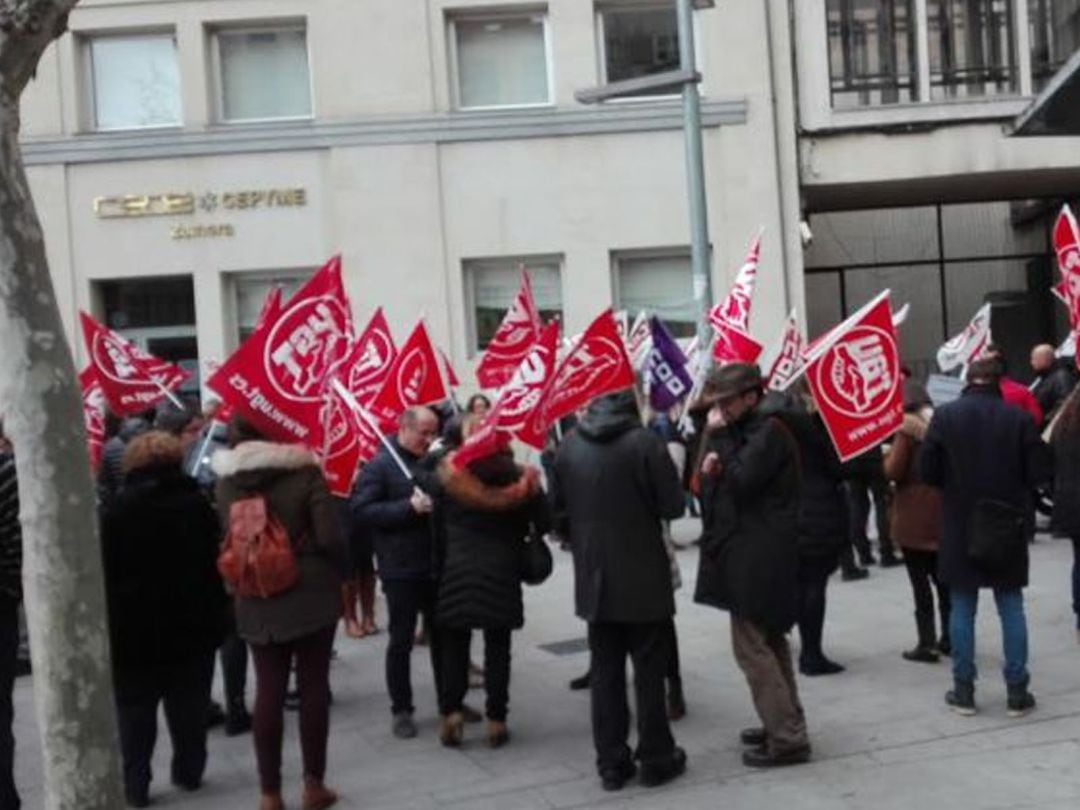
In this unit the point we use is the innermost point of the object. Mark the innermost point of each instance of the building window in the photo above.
(658, 283)
(501, 60)
(971, 48)
(871, 52)
(1055, 36)
(135, 81)
(251, 291)
(492, 284)
(639, 40)
(263, 73)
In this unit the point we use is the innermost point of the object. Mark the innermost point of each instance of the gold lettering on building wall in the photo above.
(128, 206)
(144, 205)
(179, 232)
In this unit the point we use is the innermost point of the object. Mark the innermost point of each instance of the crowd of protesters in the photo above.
(954, 494)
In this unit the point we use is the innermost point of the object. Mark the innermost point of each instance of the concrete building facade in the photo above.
(187, 154)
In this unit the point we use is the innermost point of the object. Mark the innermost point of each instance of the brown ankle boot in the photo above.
(271, 801)
(498, 734)
(452, 729)
(317, 796)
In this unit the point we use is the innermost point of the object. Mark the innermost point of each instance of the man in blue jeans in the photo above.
(986, 456)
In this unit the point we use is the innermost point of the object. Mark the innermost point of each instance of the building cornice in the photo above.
(439, 128)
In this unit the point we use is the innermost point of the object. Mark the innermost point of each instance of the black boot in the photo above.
(961, 698)
(926, 650)
(1020, 700)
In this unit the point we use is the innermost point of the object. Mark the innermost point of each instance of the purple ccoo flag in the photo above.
(669, 381)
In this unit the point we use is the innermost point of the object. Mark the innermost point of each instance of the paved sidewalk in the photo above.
(881, 735)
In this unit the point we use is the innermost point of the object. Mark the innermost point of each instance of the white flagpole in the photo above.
(363, 413)
(202, 450)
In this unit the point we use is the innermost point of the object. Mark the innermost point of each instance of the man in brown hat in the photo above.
(749, 558)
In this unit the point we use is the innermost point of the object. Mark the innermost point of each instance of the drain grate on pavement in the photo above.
(572, 646)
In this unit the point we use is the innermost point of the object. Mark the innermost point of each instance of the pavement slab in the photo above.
(882, 737)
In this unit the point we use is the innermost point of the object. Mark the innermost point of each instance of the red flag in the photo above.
(516, 403)
(130, 379)
(734, 346)
(448, 368)
(348, 439)
(1067, 247)
(519, 330)
(414, 378)
(597, 365)
(854, 375)
(486, 441)
(787, 365)
(734, 311)
(93, 400)
(276, 378)
(368, 364)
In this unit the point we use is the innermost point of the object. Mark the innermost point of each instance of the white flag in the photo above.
(966, 347)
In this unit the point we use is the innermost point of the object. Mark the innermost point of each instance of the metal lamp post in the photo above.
(686, 79)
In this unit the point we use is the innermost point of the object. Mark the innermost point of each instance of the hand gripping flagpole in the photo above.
(364, 414)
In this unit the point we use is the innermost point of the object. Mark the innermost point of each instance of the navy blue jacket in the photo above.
(979, 447)
(380, 501)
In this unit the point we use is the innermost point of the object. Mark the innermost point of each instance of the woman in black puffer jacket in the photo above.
(483, 517)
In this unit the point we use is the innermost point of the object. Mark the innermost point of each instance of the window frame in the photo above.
(604, 6)
(511, 263)
(480, 15)
(233, 279)
(89, 95)
(617, 257)
(217, 76)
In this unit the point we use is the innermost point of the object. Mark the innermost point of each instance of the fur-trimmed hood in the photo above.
(468, 490)
(257, 456)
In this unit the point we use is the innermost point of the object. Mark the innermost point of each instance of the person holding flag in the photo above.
(486, 507)
(391, 500)
(749, 561)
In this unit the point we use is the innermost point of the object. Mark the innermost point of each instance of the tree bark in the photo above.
(40, 401)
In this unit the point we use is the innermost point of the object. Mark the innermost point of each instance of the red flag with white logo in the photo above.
(1067, 247)
(854, 375)
(734, 346)
(787, 364)
(519, 330)
(275, 380)
(597, 365)
(516, 403)
(734, 310)
(130, 379)
(348, 439)
(94, 406)
(415, 378)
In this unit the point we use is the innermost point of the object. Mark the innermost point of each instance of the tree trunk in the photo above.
(40, 401)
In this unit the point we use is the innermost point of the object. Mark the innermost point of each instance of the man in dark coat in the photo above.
(1055, 378)
(615, 484)
(397, 512)
(10, 597)
(985, 456)
(749, 560)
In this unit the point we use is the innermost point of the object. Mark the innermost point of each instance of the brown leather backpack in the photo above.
(257, 558)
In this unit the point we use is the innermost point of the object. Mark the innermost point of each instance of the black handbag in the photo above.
(536, 560)
(996, 533)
